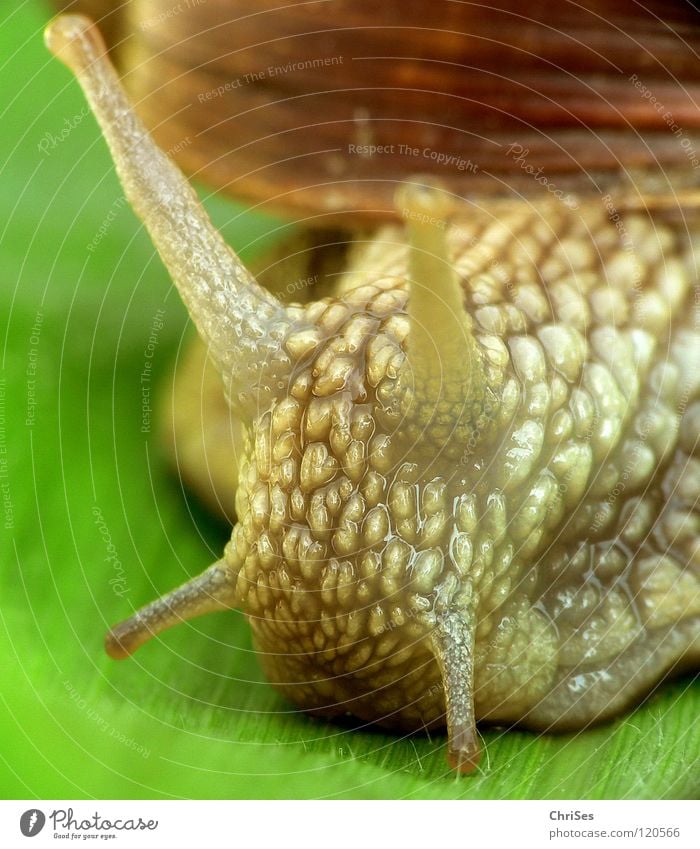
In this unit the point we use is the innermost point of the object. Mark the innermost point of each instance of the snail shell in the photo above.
(468, 480)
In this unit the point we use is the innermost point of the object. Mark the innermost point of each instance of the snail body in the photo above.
(466, 479)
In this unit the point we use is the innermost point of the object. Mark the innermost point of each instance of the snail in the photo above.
(467, 477)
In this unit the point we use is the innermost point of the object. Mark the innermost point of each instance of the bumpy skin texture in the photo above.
(567, 527)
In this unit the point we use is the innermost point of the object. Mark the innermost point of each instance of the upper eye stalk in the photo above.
(241, 322)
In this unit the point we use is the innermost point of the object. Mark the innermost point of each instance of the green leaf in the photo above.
(92, 525)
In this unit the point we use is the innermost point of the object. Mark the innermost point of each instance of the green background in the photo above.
(190, 715)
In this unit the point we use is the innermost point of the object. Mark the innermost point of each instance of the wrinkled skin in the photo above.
(467, 481)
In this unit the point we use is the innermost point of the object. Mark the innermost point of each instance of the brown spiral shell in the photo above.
(322, 107)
